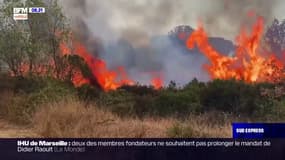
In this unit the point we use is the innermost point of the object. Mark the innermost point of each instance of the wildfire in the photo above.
(157, 83)
(78, 79)
(249, 63)
(107, 79)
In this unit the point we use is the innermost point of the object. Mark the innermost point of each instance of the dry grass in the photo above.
(209, 125)
(5, 96)
(9, 130)
(71, 119)
(12, 109)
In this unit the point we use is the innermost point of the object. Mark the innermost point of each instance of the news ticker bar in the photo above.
(152, 148)
(258, 130)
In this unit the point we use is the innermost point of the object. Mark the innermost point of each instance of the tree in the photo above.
(275, 37)
(57, 31)
(29, 46)
(48, 31)
(13, 38)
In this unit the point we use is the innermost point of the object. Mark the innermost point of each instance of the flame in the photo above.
(157, 83)
(249, 62)
(39, 69)
(107, 79)
(78, 79)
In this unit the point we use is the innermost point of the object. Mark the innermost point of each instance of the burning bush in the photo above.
(250, 63)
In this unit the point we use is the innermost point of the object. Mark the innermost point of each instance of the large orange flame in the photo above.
(249, 63)
(157, 83)
(107, 79)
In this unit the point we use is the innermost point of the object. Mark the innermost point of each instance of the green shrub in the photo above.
(119, 102)
(88, 93)
(226, 96)
(143, 106)
(140, 90)
(279, 111)
(27, 84)
(231, 96)
(271, 111)
(25, 101)
(223, 96)
(51, 92)
(176, 103)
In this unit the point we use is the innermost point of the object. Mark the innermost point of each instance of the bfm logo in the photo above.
(22, 13)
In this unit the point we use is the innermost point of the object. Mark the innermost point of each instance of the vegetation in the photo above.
(254, 102)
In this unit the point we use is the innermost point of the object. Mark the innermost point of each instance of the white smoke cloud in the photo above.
(110, 19)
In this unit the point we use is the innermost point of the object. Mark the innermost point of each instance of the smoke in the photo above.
(133, 33)
(113, 18)
(227, 16)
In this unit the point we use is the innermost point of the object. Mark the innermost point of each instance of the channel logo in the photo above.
(22, 13)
